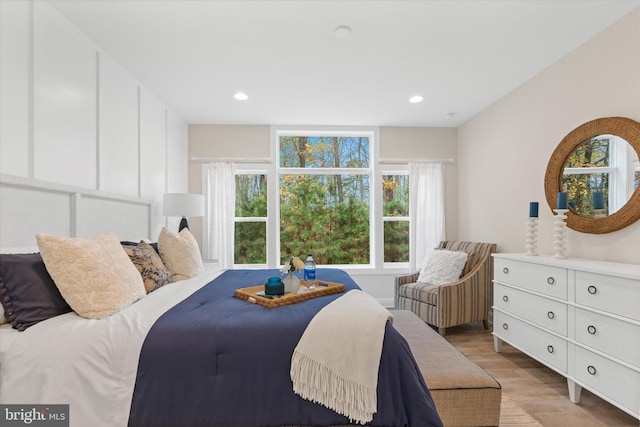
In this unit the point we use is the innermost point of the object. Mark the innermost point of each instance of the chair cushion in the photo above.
(420, 292)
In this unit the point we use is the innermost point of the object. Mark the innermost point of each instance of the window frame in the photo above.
(371, 171)
(392, 169)
(255, 169)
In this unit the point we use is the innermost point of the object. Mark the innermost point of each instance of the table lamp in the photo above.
(184, 205)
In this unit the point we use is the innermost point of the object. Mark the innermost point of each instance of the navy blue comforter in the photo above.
(217, 361)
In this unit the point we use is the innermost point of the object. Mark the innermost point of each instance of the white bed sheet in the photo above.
(7, 336)
(89, 364)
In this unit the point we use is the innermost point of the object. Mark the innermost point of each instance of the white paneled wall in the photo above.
(65, 107)
(70, 115)
(153, 154)
(118, 132)
(14, 87)
(177, 159)
(177, 153)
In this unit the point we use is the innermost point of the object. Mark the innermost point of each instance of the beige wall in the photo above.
(503, 151)
(222, 141)
(427, 143)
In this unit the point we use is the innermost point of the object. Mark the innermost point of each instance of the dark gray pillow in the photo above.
(27, 292)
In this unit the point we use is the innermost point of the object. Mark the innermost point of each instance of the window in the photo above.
(395, 216)
(324, 202)
(323, 193)
(597, 170)
(250, 228)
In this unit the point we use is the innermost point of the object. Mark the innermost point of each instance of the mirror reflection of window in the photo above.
(604, 167)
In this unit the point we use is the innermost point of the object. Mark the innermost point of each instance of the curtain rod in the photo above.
(268, 160)
(230, 159)
(404, 161)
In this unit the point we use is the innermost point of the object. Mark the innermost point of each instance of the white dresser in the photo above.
(579, 317)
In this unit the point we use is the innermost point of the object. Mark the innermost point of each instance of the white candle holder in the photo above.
(531, 240)
(559, 233)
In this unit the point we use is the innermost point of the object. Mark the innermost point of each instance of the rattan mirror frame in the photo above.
(623, 127)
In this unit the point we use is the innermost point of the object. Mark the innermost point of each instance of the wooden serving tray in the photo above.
(322, 288)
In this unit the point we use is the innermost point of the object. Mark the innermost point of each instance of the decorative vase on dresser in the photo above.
(579, 317)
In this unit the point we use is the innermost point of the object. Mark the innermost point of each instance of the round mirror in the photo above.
(596, 164)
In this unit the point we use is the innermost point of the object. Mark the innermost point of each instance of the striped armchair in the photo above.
(464, 301)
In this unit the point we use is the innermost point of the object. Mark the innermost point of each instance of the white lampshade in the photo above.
(182, 204)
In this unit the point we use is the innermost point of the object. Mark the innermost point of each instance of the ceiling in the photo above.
(461, 56)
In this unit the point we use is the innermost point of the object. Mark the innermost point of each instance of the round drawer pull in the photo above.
(551, 280)
(550, 349)
(592, 290)
(505, 298)
(505, 326)
(505, 270)
(551, 315)
(591, 370)
(591, 329)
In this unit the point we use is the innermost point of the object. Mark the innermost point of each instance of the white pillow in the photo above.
(95, 276)
(441, 266)
(180, 253)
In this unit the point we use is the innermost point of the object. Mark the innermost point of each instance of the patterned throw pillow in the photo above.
(148, 262)
(180, 253)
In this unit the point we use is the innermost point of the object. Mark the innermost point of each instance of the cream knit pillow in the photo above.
(95, 276)
(180, 253)
(442, 266)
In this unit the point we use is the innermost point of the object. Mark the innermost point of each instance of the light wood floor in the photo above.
(536, 389)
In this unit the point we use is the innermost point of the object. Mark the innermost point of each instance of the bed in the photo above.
(191, 354)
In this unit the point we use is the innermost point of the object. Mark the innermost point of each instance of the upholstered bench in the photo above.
(464, 394)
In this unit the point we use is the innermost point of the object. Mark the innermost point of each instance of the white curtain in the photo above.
(426, 204)
(221, 196)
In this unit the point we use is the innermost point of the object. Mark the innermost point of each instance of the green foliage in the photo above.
(396, 241)
(313, 220)
(250, 243)
(251, 195)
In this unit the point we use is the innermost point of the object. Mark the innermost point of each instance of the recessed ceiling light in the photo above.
(240, 96)
(416, 99)
(342, 31)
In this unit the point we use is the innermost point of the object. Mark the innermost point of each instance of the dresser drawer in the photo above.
(548, 314)
(544, 279)
(610, 379)
(607, 293)
(611, 336)
(545, 347)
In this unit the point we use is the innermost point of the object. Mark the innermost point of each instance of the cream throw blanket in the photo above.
(336, 361)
